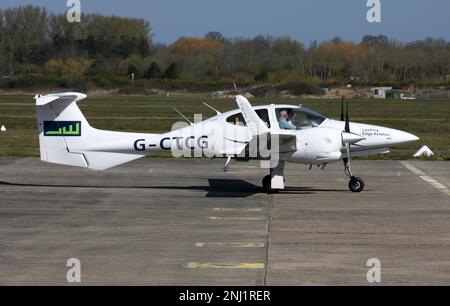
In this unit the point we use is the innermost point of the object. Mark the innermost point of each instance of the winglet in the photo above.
(256, 125)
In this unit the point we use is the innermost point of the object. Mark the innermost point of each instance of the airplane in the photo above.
(273, 134)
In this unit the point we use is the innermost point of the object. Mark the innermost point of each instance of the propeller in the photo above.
(346, 129)
(348, 137)
(347, 120)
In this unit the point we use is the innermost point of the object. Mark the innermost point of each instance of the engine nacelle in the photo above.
(318, 146)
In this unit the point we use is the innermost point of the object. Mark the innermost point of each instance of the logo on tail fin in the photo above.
(62, 128)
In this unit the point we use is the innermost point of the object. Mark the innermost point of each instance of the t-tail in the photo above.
(65, 136)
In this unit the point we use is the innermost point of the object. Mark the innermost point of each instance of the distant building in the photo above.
(380, 92)
(386, 93)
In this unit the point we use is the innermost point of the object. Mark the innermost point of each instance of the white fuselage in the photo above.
(270, 132)
(217, 137)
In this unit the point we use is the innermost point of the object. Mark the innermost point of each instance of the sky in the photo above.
(303, 20)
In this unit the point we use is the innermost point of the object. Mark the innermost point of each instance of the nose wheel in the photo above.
(356, 184)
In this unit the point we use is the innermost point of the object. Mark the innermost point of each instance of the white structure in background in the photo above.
(424, 151)
(380, 92)
(407, 96)
(3, 128)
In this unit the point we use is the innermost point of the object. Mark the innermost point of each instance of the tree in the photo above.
(214, 35)
(371, 40)
(171, 72)
(25, 31)
(154, 72)
(34, 42)
(195, 46)
(67, 38)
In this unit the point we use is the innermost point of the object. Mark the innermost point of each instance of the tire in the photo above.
(356, 184)
(266, 184)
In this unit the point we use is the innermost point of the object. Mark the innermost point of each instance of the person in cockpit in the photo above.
(285, 121)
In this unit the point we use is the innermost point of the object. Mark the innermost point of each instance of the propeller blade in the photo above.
(347, 120)
(342, 108)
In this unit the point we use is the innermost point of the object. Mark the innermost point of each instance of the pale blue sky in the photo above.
(304, 20)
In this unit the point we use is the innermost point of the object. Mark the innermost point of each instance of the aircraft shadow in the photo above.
(309, 190)
(233, 188)
(215, 188)
(221, 188)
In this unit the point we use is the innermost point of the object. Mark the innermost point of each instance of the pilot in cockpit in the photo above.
(285, 120)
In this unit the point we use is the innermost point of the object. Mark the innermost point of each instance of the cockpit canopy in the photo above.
(298, 118)
(289, 118)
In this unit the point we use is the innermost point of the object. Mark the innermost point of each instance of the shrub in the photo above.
(132, 90)
(300, 88)
(70, 68)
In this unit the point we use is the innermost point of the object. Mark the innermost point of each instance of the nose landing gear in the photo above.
(356, 184)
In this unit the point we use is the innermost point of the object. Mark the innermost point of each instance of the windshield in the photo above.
(298, 118)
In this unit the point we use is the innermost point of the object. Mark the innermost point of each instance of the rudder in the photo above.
(57, 114)
(65, 136)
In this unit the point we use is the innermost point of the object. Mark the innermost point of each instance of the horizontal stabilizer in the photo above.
(59, 97)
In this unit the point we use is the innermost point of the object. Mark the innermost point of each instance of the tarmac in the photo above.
(186, 222)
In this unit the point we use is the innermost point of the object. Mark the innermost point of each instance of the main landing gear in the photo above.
(266, 184)
(275, 181)
(356, 184)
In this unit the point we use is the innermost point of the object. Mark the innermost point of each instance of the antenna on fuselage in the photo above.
(217, 112)
(185, 118)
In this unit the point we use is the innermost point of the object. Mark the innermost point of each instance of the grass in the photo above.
(429, 120)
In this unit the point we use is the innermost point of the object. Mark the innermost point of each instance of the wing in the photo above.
(256, 125)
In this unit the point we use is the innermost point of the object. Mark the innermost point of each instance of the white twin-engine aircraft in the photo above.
(274, 134)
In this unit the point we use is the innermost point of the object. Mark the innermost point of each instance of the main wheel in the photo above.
(267, 185)
(356, 184)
